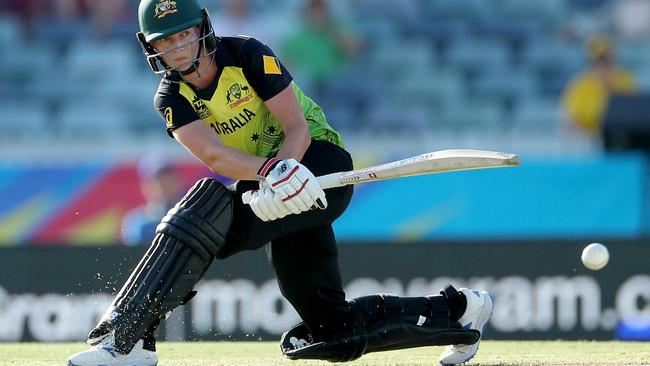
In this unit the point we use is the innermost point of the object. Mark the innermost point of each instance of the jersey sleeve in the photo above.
(263, 70)
(175, 110)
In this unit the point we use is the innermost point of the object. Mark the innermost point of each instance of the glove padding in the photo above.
(296, 186)
(267, 205)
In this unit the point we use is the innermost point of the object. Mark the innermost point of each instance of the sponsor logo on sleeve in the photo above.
(169, 118)
(200, 108)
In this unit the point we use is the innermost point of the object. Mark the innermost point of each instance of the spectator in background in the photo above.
(320, 47)
(236, 17)
(586, 96)
(161, 188)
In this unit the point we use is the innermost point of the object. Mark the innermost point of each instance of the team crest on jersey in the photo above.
(165, 7)
(238, 94)
(200, 108)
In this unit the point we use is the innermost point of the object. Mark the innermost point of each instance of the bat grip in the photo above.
(325, 181)
(246, 197)
(330, 180)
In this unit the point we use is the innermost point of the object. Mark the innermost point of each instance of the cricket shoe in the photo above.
(104, 354)
(476, 316)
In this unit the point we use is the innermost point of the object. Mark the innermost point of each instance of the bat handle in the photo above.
(330, 180)
(246, 197)
(325, 181)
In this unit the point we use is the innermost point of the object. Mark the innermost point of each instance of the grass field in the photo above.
(267, 354)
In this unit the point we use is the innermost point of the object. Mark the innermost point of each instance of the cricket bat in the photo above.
(429, 163)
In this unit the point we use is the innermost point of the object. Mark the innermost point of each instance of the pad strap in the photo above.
(456, 303)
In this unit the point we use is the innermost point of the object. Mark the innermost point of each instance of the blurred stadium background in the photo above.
(80, 138)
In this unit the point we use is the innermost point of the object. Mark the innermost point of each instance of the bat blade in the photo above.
(429, 163)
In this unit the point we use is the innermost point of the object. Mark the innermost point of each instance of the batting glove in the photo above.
(296, 186)
(267, 205)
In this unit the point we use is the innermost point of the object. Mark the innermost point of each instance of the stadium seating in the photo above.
(465, 10)
(540, 115)
(474, 56)
(23, 121)
(471, 114)
(634, 54)
(551, 11)
(90, 119)
(27, 61)
(475, 64)
(436, 89)
(521, 85)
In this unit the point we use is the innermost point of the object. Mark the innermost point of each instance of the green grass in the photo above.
(512, 353)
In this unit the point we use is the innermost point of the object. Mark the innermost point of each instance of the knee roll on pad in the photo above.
(198, 220)
(378, 323)
(187, 240)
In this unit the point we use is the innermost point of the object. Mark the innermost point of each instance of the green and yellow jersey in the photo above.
(233, 104)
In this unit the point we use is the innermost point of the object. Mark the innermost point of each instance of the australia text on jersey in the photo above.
(238, 121)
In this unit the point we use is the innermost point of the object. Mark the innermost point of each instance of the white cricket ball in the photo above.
(595, 256)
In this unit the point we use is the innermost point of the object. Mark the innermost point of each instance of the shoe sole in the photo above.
(485, 316)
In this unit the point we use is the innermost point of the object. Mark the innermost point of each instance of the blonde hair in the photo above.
(599, 47)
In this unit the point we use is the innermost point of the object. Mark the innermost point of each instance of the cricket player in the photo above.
(233, 105)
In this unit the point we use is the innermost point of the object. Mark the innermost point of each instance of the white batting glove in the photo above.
(267, 205)
(294, 184)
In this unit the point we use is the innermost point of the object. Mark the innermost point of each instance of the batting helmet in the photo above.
(162, 18)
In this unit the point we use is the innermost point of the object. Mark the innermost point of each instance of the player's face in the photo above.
(180, 49)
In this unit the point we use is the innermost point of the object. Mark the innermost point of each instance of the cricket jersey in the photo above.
(233, 104)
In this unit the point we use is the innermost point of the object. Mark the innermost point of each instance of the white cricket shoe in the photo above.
(476, 316)
(104, 354)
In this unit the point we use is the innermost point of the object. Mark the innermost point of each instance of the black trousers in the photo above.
(302, 250)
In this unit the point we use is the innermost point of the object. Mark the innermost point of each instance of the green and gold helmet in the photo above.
(162, 18)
